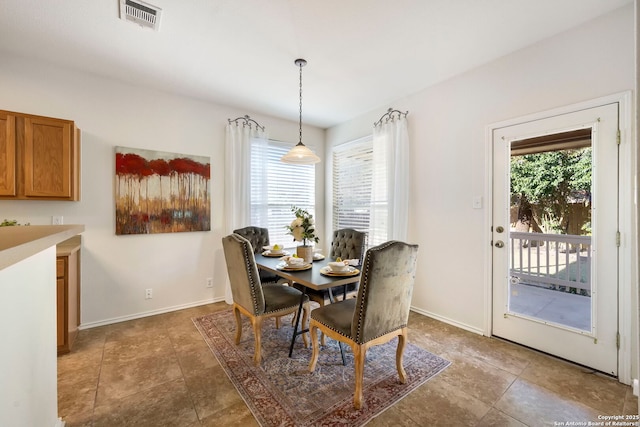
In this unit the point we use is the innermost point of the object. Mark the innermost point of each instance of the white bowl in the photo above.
(274, 251)
(338, 266)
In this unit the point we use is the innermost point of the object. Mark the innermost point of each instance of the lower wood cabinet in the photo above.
(68, 292)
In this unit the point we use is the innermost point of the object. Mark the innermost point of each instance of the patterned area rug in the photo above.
(282, 392)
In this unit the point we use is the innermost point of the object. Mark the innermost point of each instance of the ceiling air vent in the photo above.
(143, 14)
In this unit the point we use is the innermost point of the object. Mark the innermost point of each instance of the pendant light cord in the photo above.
(300, 154)
(301, 64)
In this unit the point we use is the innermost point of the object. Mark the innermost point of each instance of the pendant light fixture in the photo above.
(300, 154)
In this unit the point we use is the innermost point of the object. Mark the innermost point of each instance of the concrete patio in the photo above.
(552, 306)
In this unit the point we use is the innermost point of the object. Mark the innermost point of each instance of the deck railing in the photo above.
(559, 260)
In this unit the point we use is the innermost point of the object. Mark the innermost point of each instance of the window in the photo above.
(285, 186)
(353, 180)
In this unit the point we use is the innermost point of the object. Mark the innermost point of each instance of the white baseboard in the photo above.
(635, 387)
(148, 313)
(455, 323)
(60, 423)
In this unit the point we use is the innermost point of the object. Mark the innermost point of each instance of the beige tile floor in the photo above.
(158, 371)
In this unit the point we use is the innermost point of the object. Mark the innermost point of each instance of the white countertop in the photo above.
(21, 242)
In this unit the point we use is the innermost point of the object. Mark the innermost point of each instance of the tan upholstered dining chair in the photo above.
(378, 314)
(250, 298)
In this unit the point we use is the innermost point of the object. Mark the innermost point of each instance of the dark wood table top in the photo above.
(311, 278)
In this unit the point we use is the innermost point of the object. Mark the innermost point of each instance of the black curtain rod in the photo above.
(389, 115)
(246, 121)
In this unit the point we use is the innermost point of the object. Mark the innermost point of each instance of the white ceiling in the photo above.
(362, 54)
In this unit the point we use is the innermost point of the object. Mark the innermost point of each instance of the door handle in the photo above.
(499, 244)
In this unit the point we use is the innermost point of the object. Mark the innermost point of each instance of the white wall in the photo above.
(117, 269)
(447, 132)
(447, 124)
(29, 393)
(637, 181)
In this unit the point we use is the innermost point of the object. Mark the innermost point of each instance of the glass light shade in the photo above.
(300, 155)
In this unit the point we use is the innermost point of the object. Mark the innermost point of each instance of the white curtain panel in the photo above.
(239, 142)
(391, 178)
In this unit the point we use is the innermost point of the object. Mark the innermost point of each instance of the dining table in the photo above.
(316, 277)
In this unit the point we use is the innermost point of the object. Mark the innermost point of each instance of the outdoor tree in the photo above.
(545, 185)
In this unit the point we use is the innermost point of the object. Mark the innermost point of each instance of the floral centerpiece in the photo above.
(303, 230)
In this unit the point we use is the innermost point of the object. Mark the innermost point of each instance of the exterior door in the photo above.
(558, 291)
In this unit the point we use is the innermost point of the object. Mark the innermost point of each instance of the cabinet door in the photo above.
(7, 155)
(61, 313)
(48, 150)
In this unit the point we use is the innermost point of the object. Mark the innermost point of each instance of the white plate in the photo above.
(318, 257)
(285, 267)
(279, 254)
(326, 270)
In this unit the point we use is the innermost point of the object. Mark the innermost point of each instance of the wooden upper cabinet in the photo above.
(7, 155)
(46, 157)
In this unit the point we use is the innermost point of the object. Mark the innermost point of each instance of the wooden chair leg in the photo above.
(305, 320)
(313, 331)
(257, 332)
(236, 312)
(402, 342)
(277, 323)
(359, 353)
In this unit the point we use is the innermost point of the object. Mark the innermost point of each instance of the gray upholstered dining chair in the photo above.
(378, 314)
(347, 243)
(259, 238)
(250, 298)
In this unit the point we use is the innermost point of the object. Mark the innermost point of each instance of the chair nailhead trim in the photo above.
(252, 282)
(364, 285)
(372, 338)
(329, 327)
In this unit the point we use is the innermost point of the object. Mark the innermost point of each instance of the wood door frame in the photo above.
(627, 295)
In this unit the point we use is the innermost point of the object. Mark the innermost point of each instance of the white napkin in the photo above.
(353, 262)
(287, 259)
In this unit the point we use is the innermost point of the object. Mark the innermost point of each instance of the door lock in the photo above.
(499, 244)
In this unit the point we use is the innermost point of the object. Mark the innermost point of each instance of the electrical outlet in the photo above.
(148, 293)
(56, 220)
(209, 282)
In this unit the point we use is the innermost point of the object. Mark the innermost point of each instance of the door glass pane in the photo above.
(550, 234)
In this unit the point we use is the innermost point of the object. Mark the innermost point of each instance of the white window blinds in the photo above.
(286, 185)
(353, 180)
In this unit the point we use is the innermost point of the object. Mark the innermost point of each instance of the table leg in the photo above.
(295, 328)
(344, 293)
(331, 297)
